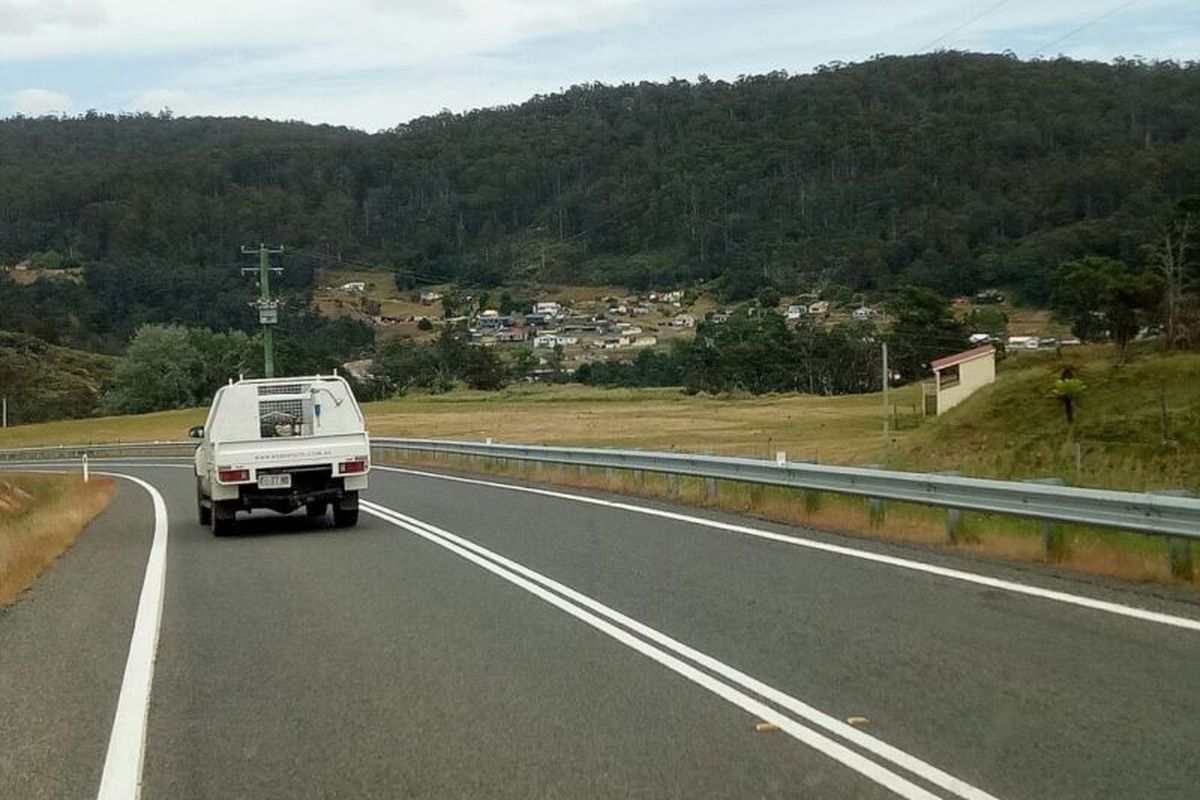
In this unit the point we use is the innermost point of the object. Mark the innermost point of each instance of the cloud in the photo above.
(375, 63)
(36, 102)
(21, 18)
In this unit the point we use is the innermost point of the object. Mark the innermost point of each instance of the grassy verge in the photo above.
(827, 429)
(40, 517)
(1089, 550)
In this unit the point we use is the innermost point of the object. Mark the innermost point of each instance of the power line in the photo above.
(1085, 25)
(966, 24)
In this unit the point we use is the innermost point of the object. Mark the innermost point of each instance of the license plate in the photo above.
(283, 481)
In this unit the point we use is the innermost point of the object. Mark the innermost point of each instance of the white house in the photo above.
(863, 314)
(683, 321)
(552, 340)
(430, 297)
(1023, 343)
(795, 312)
(645, 341)
(819, 307)
(354, 286)
(956, 377)
(549, 308)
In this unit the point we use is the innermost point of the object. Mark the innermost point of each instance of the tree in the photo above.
(1068, 389)
(1173, 259)
(925, 329)
(170, 366)
(1103, 298)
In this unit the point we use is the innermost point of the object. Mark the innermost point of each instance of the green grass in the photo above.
(44, 381)
(1016, 429)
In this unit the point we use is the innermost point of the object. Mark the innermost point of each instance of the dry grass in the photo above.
(826, 429)
(40, 517)
(1114, 554)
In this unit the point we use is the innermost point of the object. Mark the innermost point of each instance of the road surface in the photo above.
(477, 638)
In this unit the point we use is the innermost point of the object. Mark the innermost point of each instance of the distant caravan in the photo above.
(281, 443)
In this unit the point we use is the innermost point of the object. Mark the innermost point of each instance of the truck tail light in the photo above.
(232, 475)
(357, 464)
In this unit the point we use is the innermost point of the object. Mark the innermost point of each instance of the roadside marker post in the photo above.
(85, 468)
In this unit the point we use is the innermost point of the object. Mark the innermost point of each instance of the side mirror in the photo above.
(196, 432)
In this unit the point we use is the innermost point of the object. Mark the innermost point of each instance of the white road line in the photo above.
(122, 776)
(1119, 609)
(541, 586)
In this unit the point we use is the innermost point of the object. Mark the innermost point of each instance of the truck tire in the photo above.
(224, 515)
(203, 512)
(345, 510)
(316, 510)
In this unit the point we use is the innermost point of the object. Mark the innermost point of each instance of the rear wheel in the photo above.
(224, 515)
(345, 510)
(203, 512)
(315, 510)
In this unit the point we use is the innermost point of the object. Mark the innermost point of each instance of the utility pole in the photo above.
(886, 409)
(268, 309)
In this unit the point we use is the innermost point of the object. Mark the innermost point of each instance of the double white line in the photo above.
(750, 694)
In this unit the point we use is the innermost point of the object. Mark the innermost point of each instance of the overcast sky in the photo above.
(374, 63)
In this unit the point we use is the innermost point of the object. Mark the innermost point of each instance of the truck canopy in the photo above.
(283, 408)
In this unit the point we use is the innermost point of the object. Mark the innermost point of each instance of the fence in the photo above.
(1168, 514)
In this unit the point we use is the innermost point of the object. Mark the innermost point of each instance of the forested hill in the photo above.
(950, 170)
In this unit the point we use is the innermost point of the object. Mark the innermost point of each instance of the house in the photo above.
(354, 286)
(493, 319)
(430, 297)
(1023, 343)
(795, 312)
(640, 310)
(549, 308)
(820, 307)
(976, 339)
(719, 318)
(645, 341)
(535, 320)
(864, 313)
(510, 335)
(683, 321)
(956, 377)
(552, 340)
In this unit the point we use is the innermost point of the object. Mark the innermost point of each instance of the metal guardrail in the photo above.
(1134, 511)
(1144, 512)
(69, 451)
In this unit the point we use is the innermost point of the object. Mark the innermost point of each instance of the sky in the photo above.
(373, 64)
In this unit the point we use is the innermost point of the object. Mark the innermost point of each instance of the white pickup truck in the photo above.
(281, 443)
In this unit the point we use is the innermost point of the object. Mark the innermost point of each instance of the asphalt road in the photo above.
(502, 643)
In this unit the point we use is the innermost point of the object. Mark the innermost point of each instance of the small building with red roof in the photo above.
(956, 377)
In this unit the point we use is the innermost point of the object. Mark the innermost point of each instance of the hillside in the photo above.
(1016, 428)
(950, 170)
(43, 381)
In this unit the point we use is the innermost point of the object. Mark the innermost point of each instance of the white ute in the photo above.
(281, 443)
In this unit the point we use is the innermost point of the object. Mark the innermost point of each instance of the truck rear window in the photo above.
(283, 414)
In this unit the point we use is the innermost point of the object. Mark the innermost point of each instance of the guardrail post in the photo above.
(954, 523)
(710, 488)
(673, 484)
(581, 471)
(876, 511)
(1054, 541)
(1179, 549)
